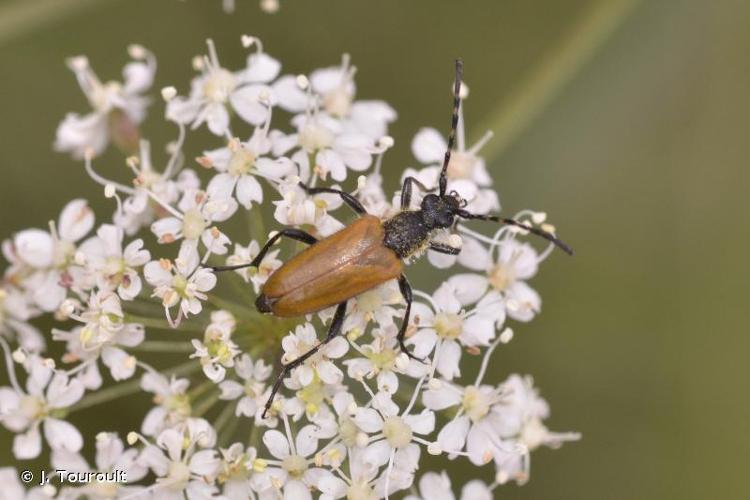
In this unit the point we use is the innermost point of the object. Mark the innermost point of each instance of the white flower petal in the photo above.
(76, 220)
(428, 146)
(61, 434)
(276, 443)
(28, 445)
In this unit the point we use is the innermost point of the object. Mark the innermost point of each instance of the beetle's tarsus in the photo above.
(347, 198)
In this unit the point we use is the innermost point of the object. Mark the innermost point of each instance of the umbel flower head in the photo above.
(132, 292)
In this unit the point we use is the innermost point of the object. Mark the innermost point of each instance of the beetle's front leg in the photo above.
(348, 198)
(406, 191)
(333, 331)
(405, 288)
(295, 234)
(443, 248)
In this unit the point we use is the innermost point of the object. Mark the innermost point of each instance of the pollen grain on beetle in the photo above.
(139, 307)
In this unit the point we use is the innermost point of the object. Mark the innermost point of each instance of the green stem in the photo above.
(163, 346)
(257, 225)
(160, 324)
(254, 436)
(225, 432)
(245, 312)
(201, 408)
(200, 389)
(130, 387)
(558, 67)
(27, 16)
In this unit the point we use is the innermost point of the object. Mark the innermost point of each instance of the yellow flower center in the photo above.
(383, 360)
(295, 465)
(241, 162)
(219, 85)
(397, 432)
(475, 404)
(314, 137)
(501, 276)
(448, 326)
(193, 224)
(32, 407)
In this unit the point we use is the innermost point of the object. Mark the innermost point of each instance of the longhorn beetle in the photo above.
(366, 253)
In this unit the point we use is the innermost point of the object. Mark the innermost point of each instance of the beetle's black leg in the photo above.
(405, 287)
(443, 248)
(333, 331)
(494, 218)
(348, 199)
(406, 191)
(295, 234)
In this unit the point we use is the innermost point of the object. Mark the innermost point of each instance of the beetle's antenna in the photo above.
(454, 124)
(544, 234)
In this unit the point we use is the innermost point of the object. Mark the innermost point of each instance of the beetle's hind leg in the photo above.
(348, 198)
(295, 234)
(333, 331)
(405, 288)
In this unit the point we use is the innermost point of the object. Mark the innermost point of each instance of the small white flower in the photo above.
(240, 164)
(111, 457)
(383, 359)
(245, 255)
(447, 324)
(373, 305)
(334, 90)
(319, 364)
(297, 208)
(217, 88)
(217, 351)
(179, 466)
(396, 439)
(51, 255)
(181, 282)
(16, 308)
(172, 402)
(252, 392)
(14, 489)
(506, 265)
(115, 268)
(335, 150)
(103, 333)
(361, 482)
(152, 190)
(40, 405)
(238, 471)
(473, 422)
(292, 472)
(118, 108)
(198, 210)
(434, 486)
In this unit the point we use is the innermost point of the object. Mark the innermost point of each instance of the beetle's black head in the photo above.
(440, 211)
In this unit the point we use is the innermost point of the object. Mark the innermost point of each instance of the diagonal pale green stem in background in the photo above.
(21, 17)
(131, 387)
(558, 67)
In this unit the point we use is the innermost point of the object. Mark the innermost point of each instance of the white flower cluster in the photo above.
(356, 418)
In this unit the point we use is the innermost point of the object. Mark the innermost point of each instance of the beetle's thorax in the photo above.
(406, 233)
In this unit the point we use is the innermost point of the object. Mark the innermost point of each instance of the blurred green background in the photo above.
(627, 122)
